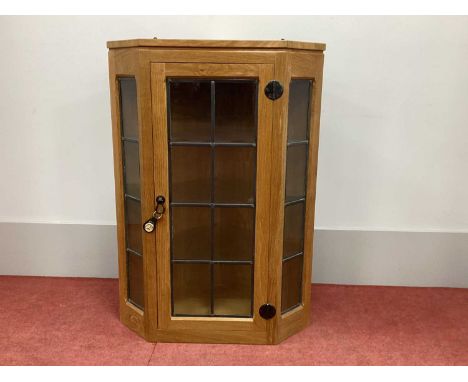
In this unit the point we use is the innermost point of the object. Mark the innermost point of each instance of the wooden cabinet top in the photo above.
(228, 44)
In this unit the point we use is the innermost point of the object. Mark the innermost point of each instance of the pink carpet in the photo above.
(74, 321)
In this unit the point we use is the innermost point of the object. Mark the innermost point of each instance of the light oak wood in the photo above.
(145, 114)
(122, 64)
(292, 322)
(235, 44)
(133, 317)
(215, 56)
(161, 186)
(212, 70)
(305, 66)
(151, 62)
(212, 336)
(159, 74)
(277, 186)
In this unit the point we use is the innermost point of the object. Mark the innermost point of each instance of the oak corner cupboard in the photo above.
(215, 156)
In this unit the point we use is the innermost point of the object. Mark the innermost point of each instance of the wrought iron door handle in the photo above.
(150, 224)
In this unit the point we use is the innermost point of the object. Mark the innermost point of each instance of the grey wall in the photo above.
(58, 250)
(341, 257)
(391, 258)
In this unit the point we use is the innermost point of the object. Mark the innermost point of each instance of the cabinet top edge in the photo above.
(245, 44)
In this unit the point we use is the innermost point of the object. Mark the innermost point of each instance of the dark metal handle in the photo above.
(160, 200)
(150, 224)
(267, 311)
(274, 90)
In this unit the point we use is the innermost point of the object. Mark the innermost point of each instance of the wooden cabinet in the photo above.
(215, 150)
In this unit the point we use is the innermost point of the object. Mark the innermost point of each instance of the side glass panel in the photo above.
(295, 193)
(131, 174)
(128, 107)
(212, 170)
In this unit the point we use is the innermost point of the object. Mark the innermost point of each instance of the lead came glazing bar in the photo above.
(214, 261)
(132, 197)
(294, 143)
(213, 153)
(290, 203)
(133, 140)
(195, 204)
(213, 144)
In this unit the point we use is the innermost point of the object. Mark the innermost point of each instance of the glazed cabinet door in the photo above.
(211, 134)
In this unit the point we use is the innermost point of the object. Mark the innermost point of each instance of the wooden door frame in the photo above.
(213, 329)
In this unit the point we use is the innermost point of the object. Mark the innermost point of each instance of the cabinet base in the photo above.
(211, 337)
(291, 323)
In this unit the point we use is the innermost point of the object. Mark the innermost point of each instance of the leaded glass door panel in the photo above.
(212, 130)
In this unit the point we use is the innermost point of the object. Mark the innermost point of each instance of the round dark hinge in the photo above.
(274, 90)
(267, 311)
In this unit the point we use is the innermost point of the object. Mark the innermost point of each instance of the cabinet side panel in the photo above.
(121, 63)
(305, 66)
(118, 176)
(312, 176)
